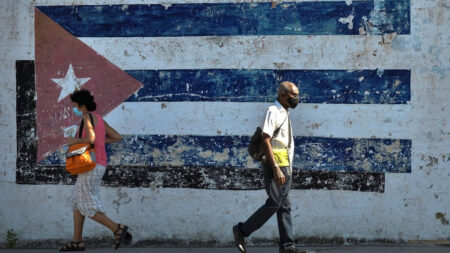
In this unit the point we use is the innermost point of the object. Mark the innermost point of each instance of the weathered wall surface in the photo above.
(187, 82)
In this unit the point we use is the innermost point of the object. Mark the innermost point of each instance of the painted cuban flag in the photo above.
(186, 84)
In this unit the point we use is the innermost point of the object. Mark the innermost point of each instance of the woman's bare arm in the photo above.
(111, 134)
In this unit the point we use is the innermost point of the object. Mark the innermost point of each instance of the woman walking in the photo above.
(85, 195)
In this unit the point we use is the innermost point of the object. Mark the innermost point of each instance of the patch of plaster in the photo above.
(348, 20)
(123, 198)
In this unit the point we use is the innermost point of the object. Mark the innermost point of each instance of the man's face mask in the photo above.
(293, 101)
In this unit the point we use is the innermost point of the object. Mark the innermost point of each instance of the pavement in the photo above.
(323, 249)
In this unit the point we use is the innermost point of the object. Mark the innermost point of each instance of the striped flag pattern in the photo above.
(196, 78)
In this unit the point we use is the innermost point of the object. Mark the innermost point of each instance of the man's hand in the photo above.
(278, 176)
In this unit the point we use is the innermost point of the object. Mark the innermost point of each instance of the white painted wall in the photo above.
(406, 211)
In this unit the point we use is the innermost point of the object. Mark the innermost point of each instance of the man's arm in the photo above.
(270, 160)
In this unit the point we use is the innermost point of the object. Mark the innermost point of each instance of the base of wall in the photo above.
(253, 242)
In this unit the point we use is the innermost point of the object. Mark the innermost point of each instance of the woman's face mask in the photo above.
(77, 112)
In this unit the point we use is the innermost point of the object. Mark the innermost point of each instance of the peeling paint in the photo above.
(382, 19)
(166, 5)
(348, 20)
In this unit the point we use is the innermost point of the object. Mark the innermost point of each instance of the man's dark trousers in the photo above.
(277, 202)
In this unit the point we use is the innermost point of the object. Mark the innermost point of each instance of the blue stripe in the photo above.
(226, 19)
(311, 153)
(315, 86)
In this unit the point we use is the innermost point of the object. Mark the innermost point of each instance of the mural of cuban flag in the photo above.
(186, 84)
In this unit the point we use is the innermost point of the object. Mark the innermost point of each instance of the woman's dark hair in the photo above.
(84, 97)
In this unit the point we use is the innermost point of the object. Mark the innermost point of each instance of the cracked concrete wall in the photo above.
(412, 205)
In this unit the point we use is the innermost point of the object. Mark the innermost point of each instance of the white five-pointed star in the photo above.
(69, 83)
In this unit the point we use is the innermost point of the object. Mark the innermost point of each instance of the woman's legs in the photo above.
(120, 233)
(105, 221)
(78, 222)
(77, 240)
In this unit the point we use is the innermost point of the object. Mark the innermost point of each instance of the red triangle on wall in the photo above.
(56, 50)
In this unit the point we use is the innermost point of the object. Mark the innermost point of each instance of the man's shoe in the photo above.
(239, 239)
(294, 250)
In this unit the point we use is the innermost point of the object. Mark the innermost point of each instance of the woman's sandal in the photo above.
(123, 236)
(72, 246)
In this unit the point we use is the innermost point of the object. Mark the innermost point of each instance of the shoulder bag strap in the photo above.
(290, 133)
(275, 133)
(80, 131)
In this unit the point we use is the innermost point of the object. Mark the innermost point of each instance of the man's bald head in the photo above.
(288, 94)
(286, 86)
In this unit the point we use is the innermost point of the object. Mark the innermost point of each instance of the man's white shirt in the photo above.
(274, 118)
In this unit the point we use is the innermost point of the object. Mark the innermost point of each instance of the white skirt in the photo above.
(86, 192)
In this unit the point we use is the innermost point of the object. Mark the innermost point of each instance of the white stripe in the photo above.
(227, 118)
(167, 3)
(256, 52)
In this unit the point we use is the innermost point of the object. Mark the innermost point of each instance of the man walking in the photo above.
(278, 147)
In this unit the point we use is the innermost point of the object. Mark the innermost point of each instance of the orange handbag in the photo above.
(78, 156)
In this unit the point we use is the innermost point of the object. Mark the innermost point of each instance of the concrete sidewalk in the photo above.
(329, 249)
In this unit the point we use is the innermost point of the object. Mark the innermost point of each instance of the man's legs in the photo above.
(264, 213)
(277, 202)
(284, 217)
(273, 203)
(254, 222)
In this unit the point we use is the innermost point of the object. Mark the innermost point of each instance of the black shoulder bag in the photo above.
(255, 146)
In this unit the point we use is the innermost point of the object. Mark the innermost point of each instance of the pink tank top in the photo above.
(99, 144)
